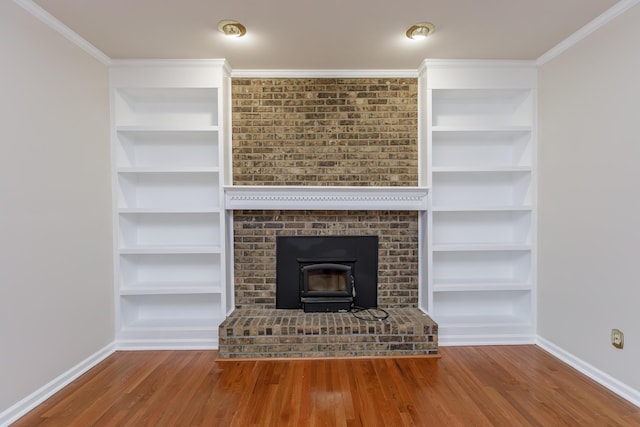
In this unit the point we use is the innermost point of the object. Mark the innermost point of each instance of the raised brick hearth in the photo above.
(259, 333)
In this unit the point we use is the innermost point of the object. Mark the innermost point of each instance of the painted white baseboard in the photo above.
(449, 340)
(16, 411)
(168, 344)
(591, 371)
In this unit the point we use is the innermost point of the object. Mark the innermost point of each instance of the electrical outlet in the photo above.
(617, 338)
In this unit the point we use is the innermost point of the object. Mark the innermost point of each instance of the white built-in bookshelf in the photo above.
(171, 160)
(479, 124)
(169, 144)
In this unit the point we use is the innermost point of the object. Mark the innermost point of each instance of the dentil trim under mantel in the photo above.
(280, 197)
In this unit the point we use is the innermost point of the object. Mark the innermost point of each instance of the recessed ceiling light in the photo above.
(420, 30)
(231, 28)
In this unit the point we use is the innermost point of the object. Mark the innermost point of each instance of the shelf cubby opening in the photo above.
(482, 189)
(482, 308)
(153, 230)
(159, 190)
(158, 149)
(484, 227)
(170, 272)
(484, 267)
(482, 108)
(167, 107)
(482, 149)
(170, 311)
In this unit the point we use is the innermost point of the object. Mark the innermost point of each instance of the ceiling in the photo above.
(325, 34)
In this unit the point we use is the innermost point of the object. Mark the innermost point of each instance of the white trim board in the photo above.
(56, 25)
(267, 197)
(602, 378)
(343, 74)
(449, 340)
(13, 413)
(597, 23)
(168, 344)
(155, 63)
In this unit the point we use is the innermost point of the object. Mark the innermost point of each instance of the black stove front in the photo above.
(326, 284)
(326, 273)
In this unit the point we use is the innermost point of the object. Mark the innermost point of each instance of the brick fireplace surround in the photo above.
(333, 133)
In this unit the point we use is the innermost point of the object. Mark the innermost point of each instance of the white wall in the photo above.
(56, 288)
(589, 198)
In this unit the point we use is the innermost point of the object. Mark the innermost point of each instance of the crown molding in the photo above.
(470, 63)
(275, 74)
(221, 62)
(53, 23)
(606, 17)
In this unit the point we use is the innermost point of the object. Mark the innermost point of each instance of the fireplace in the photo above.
(291, 225)
(326, 273)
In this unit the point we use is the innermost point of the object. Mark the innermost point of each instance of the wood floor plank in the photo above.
(469, 386)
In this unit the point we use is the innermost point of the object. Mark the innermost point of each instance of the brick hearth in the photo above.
(260, 333)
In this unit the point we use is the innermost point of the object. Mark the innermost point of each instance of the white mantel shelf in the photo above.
(279, 197)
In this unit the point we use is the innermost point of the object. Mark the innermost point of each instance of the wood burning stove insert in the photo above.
(326, 284)
(326, 273)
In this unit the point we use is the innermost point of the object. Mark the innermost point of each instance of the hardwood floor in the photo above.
(468, 386)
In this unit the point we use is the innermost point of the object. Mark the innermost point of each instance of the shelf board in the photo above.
(145, 128)
(443, 134)
(504, 208)
(204, 324)
(168, 170)
(480, 320)
(159, 250)
(483, 169)
(480, 286)
(477, 247)
(168, 210)
(172, 288)
(482, 129)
